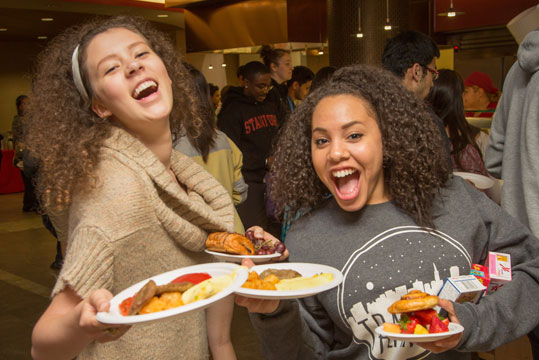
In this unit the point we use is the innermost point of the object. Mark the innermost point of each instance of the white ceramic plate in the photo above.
(454, 328)
(480, 181)
(305, 269)
(113, 316)
(257, 259)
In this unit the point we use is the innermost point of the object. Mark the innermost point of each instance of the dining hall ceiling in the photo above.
(21, 20)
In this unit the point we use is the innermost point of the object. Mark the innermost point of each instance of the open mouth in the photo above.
(346, 183)
(145, 89)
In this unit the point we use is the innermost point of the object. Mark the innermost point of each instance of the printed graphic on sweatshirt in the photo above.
(260, 122)
(387, 267)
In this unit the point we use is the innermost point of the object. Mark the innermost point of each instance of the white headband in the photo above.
(77, 79)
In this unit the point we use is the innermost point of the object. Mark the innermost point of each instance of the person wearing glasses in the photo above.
(411, 56)
(250, 119)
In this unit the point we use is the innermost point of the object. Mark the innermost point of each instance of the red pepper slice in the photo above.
(193, 278)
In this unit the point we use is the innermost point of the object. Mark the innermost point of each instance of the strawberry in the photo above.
(437, 326)
(424, 316)
(446, 321)
(408, 323)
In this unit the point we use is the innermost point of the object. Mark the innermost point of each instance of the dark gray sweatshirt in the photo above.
(384, 254)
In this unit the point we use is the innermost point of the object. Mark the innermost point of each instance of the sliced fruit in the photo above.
(419, 329)
(425, 316)
(437, 326)
(392, 328)
(408, 323)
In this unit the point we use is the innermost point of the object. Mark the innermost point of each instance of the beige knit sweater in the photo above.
(138, 223)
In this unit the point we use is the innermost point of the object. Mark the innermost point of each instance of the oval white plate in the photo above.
(113, 316)
(454, 328)
(305, 269)
(480, 181)
(257, 259)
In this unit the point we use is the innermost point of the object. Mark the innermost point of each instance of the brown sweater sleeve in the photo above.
(88, 263)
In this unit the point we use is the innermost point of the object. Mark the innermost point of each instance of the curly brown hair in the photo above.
(64, 134)
(415, 163)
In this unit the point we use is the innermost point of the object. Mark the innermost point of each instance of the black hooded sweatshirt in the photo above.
(252, 126)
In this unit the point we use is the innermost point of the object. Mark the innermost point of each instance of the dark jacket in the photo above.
(252, 126)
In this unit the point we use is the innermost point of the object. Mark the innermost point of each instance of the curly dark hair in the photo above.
(415, 163)
(64, 134)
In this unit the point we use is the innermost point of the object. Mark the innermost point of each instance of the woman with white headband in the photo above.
(109, 98)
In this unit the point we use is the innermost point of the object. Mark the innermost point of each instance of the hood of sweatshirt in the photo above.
(234, 95)
(528, 52)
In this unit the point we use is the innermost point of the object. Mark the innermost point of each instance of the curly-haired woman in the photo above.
(359, 156)
(109, 98)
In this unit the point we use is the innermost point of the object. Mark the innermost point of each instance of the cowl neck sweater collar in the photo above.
(189, 213)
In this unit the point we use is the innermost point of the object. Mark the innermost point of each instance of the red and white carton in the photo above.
(464, 288)
(481, 273)
(499, 268)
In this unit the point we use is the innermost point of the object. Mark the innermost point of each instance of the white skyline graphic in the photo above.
(373, 314)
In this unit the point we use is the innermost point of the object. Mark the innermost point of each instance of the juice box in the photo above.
(499, 267)
(464, 288)
(481, 273)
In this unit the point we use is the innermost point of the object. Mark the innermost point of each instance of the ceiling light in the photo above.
(320, 52)
(388, 24)
(210, 67)
(223, 65)
(47, 19)
(162, 15)
(3, 29)
(451, 12)
(359, 32)
(42, 37)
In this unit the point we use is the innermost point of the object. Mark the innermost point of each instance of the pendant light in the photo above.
(359, 32)
(387, 26)
(451, 12)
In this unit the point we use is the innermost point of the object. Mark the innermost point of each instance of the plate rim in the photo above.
(237, 256)
(468, 175)
(114, 319)
(424, 337)
(338, 278)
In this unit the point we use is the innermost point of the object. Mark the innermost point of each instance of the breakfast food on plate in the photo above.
(183, 290)
(231, 243)
(280, 273)
(284, 279)
(265, 247)
(304, 282)
(417, 315)
(234, 243)
(413, 301)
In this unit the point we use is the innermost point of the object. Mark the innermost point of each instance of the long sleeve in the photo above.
(229, 123)
(239, 190)
(494, 153)
(298, 329)
(512, 311)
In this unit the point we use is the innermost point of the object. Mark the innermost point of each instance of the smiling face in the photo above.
(347, 151)
(129, 80)
(258, 87)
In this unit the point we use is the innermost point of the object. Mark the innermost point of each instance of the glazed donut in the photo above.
(415, 300)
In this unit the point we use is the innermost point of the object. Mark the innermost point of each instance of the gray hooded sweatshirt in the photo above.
(513, 150)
